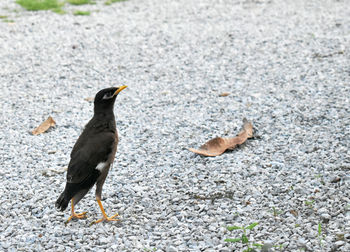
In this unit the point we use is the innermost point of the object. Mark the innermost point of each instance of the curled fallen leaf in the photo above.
(49, 122)
(219, 145)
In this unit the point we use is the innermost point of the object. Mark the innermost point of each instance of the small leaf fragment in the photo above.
(224, 94)
(89, 99)
(44, 126)
(295, 213)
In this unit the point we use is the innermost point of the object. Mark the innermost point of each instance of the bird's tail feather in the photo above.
(62, 201)
(76, 190)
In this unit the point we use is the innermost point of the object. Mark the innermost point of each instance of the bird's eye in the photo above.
(107, 96)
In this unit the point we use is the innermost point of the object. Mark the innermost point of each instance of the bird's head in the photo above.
(105, 98)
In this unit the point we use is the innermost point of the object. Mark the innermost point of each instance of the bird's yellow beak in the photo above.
(119, 89)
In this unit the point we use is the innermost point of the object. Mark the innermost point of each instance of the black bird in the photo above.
(92, 155)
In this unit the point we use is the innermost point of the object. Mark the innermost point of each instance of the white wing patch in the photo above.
(101, 166)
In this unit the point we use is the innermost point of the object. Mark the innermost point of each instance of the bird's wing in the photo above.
(87, 155)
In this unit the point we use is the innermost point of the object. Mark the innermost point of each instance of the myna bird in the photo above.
(92, 155)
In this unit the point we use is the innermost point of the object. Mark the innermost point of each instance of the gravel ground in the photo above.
(286, 67)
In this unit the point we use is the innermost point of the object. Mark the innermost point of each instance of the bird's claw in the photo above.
(76, 216)
(106, 218)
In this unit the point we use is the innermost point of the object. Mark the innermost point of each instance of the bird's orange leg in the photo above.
(105, 217)
(75, 215)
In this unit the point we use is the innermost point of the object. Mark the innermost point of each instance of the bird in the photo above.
(92, 156)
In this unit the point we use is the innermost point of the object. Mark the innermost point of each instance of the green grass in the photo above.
(5, 20)
(319, 235)
(59, 11)
(109, 2)
(36, 5)
(244, 238)
(275, 211)
(56, 6)
(150, 249)
(80, 2)
(3, 17)
(309, 203)
(81, 13)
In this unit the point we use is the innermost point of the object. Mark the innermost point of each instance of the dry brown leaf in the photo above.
(50, 122)
(224, 94)
(219, 145)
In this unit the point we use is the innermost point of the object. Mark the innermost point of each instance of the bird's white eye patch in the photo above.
(107, 96)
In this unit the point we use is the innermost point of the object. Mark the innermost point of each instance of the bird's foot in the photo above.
(76, 216)
(106, 218)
